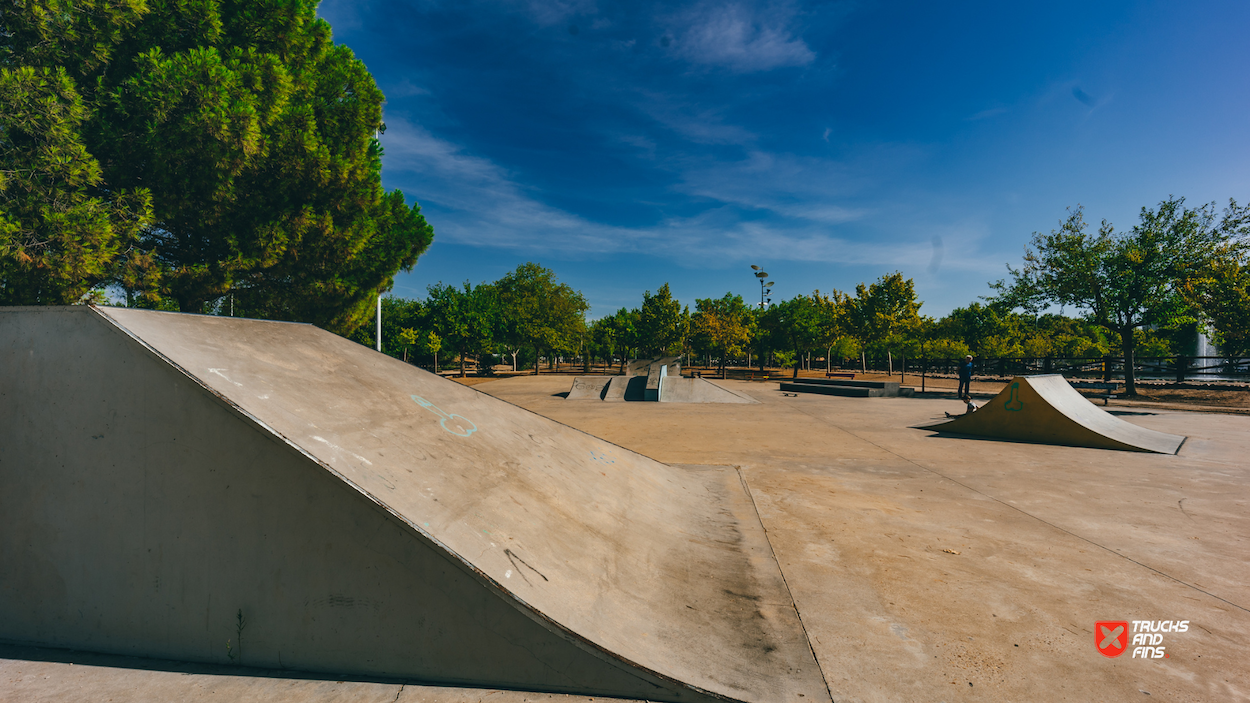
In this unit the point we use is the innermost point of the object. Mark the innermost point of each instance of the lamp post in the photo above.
(766, 286)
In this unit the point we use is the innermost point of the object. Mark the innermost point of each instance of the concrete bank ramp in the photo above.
(588, 387)
(1048, 410)
(215, 489)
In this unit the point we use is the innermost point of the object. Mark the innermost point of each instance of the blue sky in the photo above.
(625, 145)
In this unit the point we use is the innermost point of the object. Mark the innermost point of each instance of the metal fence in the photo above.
(1175, 368)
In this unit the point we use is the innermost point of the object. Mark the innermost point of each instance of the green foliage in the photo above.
(844, 348)
(662, 328)
(397, 314)
(722, 326)
(62, 232)
(623, 326)
(944, 348)
(539, 312)
(1224, 298)
(615, 334)
(1123, 280)
(254, 136)
(431, 343)
(795, 325)
(1223, 293)
(421, 344)
(602, 338)
(999, 346)
(466, 319)
(976, 325)
(883, 309)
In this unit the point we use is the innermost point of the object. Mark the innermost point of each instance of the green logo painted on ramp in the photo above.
(458, 425)
(1014, 403)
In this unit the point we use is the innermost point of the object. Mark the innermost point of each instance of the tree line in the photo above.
(1143, 292)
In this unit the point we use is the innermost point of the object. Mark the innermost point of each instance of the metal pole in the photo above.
(379, 322)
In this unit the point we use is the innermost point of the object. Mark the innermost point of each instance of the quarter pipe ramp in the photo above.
(1047, 410)
(269, 494)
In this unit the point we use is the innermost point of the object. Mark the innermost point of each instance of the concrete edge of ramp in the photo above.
(1046, 409)
(187, 347)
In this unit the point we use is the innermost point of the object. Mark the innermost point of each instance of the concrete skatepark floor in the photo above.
(924, 568)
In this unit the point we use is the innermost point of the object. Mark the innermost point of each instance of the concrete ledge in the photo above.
(822, 389)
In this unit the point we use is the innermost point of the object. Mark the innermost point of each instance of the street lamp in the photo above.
(766, 286)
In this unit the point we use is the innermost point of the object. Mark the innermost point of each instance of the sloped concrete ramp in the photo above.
(215, 489)
(588, 387)
(1048, 410)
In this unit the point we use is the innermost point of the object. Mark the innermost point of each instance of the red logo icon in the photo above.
(1111, 637)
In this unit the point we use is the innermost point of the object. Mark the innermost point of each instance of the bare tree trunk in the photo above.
(535, 359)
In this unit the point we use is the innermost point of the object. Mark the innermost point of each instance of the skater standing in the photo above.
(965, 377)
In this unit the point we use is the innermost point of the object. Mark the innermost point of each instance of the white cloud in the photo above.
(696, 123)
(986, 114)
(404, 88)
(550, 12)
(811, 189)
(741, 38)
(481, 203)
(646, 146)
(472, 200)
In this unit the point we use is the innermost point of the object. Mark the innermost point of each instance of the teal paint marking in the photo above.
(1013, 403)
(458, 425)
(602, 458)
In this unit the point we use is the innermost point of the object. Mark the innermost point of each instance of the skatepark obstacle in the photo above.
(848, 388)
(657, 379)
(168, 478)
(1048, 410)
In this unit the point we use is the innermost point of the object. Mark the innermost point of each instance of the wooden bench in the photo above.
(830, 374)
(1106, 388)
